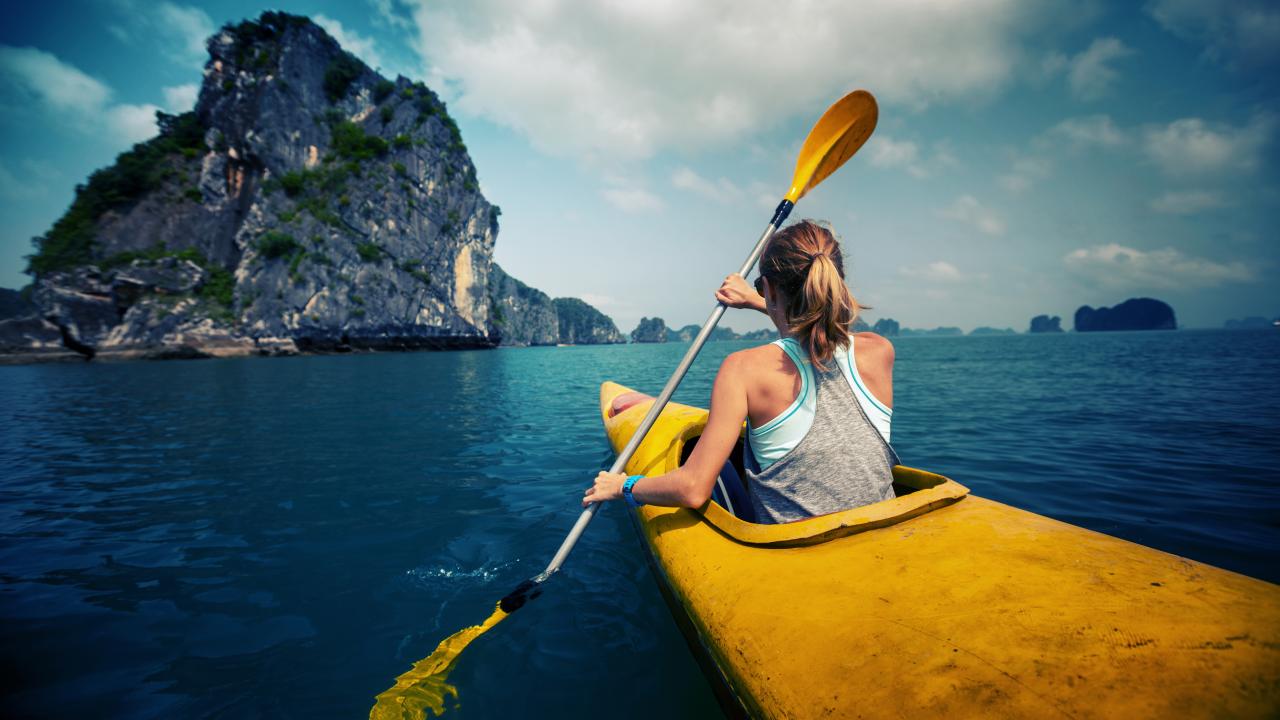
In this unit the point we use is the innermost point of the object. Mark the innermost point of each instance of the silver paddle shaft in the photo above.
(658, 404)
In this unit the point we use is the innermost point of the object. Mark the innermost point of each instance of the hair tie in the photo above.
(815, 256)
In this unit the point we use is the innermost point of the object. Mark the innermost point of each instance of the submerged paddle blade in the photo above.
(524, 592)
(838, 134)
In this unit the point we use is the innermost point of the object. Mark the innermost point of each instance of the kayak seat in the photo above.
(730, 490)
(731, 493)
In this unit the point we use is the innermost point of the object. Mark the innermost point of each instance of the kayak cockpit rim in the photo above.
(679, 425)
(925, 492)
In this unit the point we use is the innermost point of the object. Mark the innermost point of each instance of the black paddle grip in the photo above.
(780, 215)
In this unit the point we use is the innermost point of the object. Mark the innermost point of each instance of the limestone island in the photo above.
(1132, 314)
(306, 204)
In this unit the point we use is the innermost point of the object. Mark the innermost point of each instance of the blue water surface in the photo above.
(282, 537)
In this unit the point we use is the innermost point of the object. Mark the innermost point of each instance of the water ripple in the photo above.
(249, 538)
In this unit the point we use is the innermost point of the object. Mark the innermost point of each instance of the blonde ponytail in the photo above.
(804, 264)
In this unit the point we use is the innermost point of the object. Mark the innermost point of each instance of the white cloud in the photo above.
(36, 76)
(886, 152)
(14, 187)
(1123, 267)
(1245, 32)
(180, 31)
(940, 271)
(1090, 75)
(722, 190)
(132, 123)
(1188, 202)
(31, 180)
(1191, 146)
(388, 13)
(632, 199)
(567, 75)
(1091, 131)
(187, 29)
(351, 41)
(765, 195)
(605, 302)
(181, 98)
(35, 81)
(1025, 171)
(968, 210)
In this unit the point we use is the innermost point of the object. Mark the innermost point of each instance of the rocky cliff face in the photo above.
(306, 203)
(523, 315)
(1132, 314)
(581, 324)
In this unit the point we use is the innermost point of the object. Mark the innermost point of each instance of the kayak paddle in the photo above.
(838, 134)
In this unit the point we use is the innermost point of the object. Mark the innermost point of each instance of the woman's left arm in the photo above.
(690, 484)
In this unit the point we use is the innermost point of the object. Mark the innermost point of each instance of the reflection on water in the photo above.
(250, 538)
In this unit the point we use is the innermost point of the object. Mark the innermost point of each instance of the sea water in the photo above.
(284, 537)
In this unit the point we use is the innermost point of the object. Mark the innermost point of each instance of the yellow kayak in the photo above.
(941, 603)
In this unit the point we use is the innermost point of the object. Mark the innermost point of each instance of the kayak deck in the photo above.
(940, 602)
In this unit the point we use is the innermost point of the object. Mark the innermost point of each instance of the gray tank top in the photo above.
(841, 463)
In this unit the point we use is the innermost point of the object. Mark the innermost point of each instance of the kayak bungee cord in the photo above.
(837, 135)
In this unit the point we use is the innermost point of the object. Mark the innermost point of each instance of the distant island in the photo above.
(1132, 314)
(1253, 322)
(306, 204)
(650, 330)
(655, 330)
(1046, 324)
(934, 332)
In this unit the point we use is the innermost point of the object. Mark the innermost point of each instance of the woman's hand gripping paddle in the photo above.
(838, 134)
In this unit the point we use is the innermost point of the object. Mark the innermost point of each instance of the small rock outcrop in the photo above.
(1046, 324)
(984, 330)
(886, 327)
(581, 324)
(1132, 314)
(932, 332)
(1253, 322)
(524, 315)
(684, 334)
(650, 330)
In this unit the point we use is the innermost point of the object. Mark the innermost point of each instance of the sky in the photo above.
(1031, 156)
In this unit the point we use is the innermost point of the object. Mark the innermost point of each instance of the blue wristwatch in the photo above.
(626, 491)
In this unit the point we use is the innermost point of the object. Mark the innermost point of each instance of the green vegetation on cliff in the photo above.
(136, 172)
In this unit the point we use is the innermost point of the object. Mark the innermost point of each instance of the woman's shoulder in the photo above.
(752, 359)
(871, 346)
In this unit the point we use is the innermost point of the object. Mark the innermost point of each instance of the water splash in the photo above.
(425, 686)
(430, 576)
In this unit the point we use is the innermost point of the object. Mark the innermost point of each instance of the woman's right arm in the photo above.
(736, 293)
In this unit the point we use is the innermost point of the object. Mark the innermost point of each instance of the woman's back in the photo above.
(774, 381)
(813, 445)
(836, 455)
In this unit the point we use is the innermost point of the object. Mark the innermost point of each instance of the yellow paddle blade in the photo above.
(838, 134)
(426, 686)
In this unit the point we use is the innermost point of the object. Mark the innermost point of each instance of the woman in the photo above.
(817, 411)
